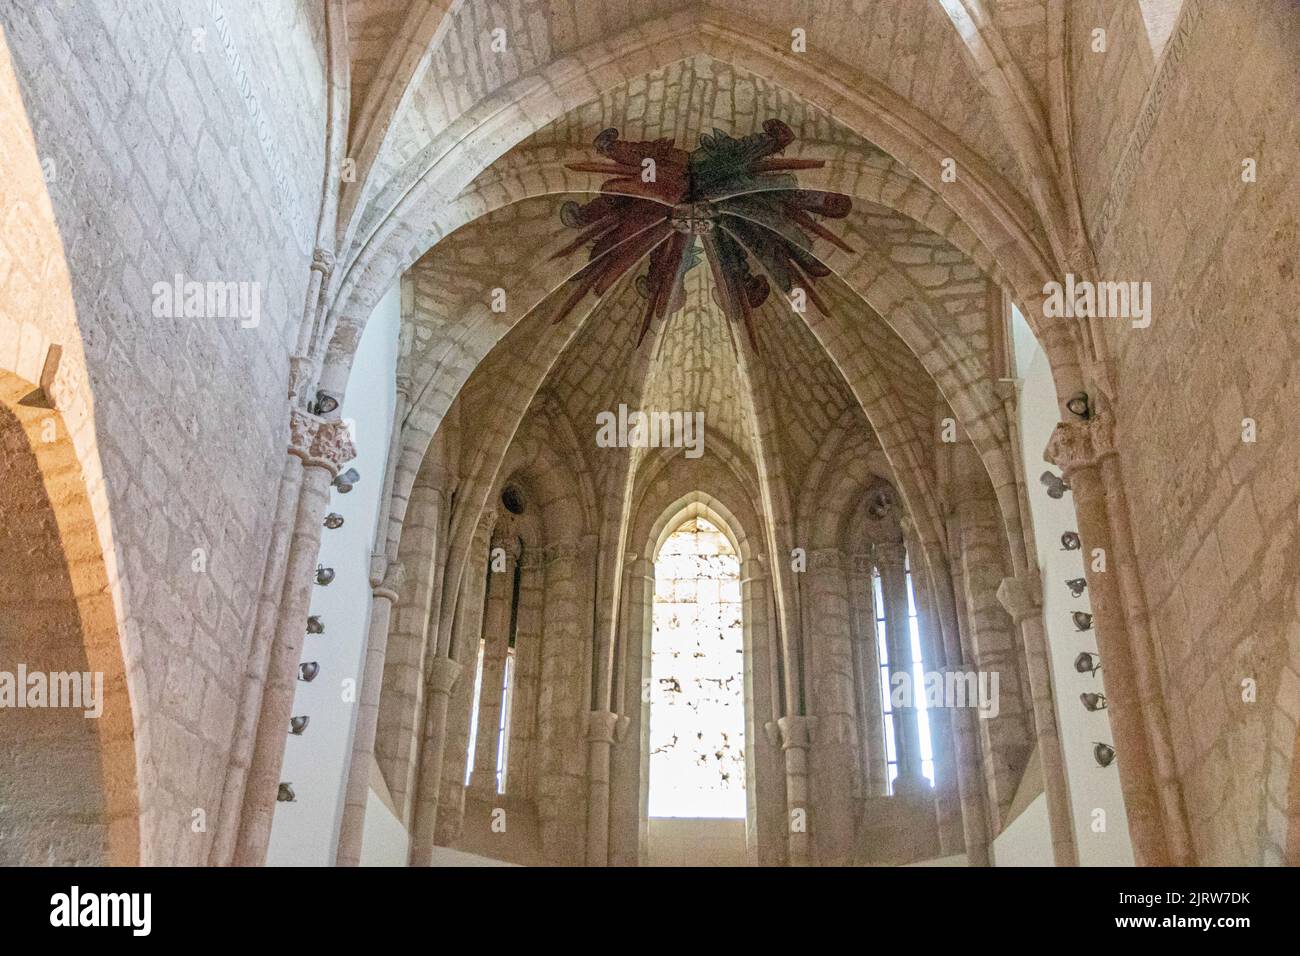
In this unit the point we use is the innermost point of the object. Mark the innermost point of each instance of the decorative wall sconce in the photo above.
(333, 520)
(1056, 485)
(1087, 663)
(298, 724)
(307, 671)
(1079, 404)
(285, 794)
(1093, 702)
(324, 404)
(324, 575)
(1077, 586)
(315, 625)
(345, 481)
(1082, 620)
(1103, 754)
(1070, 541)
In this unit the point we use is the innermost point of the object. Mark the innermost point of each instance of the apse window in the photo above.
(918, 683)
(697, 703)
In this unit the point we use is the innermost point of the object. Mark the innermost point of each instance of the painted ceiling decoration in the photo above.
(738, 199)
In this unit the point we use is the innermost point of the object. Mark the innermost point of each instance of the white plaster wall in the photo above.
(384, 842)
(697, 841)
(1092, 788)
(305, 833)
(1027, 841)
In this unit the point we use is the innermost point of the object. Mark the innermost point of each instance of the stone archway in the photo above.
(67, 757)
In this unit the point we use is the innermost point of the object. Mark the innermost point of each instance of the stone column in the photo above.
(1023, 599)
(562, 703)
(357, 789)
(1135, 711)
(958, 650)
(626, 783)
(834, 753)
(601, 725)
(890, 558)
(467, 634)
(766, 798)
(226, 837)
(324, 447)
(411, 637)
(866, 664)
(496, 648)
(386, 579)
(945, 724)
(443, 675)
(522, 755)
(796, 738)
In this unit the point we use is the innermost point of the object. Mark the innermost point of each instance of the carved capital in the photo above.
(302, 432)
(320, 443)
(322, 261)
(531, 558)
(825, 559)
(602, 726)
(797, 732)
(1021, 596)
(1076, 445)
(569, 550)
(443, 672)
(861, 563)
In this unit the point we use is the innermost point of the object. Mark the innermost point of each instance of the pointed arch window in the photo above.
(917, 673)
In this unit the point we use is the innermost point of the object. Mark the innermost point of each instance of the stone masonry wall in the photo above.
(182, 137)
(1214, 516)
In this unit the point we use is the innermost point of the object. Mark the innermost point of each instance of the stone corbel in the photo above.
(390, 579)
(1022, 596)
(1081, 444)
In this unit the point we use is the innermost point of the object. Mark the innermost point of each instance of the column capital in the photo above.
(1022, 596)
(825, 559)
(861, 563)
(602, 726)
(1081, 444)
(322, 261)
(889, 554)
(532, 558)
(569, 550)
(319, 442)
(510, 548)
(797, 731)
(390, 578)
(443, 672)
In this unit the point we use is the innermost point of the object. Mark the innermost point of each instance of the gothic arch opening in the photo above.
(697, 774)
(67, 758)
